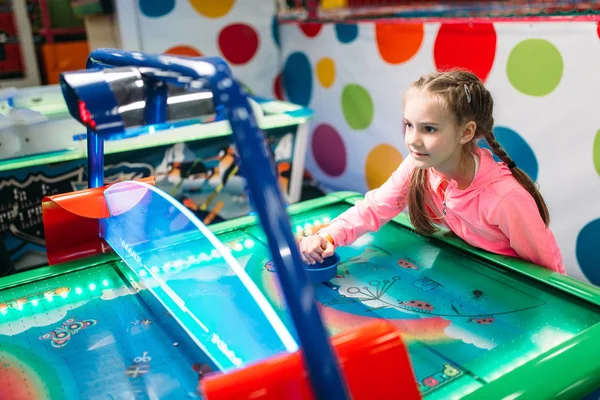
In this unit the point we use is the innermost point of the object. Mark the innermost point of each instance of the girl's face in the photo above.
(432, 135)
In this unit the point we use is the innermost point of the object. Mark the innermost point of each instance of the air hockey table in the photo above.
(142, 300)
(476, 325)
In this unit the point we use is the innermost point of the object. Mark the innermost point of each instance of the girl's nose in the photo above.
(413, 139)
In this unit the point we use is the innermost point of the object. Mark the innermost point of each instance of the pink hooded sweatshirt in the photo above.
(494, 213)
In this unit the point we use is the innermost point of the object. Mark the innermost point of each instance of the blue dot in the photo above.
(517, 148)
(297, 79)
(588, 252)
(346, 33)
(595, 395)
(156, 8)
(275, 30)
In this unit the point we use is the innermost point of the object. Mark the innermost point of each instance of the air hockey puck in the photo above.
(325, 271)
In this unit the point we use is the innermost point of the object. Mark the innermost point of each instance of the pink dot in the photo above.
(278, 87)
(329, 150)
(598, 30)
(310, 29)
(467, 46)
(238, 43)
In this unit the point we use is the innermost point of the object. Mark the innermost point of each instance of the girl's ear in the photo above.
(468, 132)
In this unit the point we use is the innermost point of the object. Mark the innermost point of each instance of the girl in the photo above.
(447, 179)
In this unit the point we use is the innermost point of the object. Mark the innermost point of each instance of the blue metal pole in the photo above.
(95, 153)
(259, 171)
(156, 103)
(95, 150)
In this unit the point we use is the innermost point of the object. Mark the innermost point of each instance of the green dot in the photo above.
(534, 67)
(357, 106)
(597, 152)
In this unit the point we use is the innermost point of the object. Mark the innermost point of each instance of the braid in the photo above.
(520, 176)
(499, 151)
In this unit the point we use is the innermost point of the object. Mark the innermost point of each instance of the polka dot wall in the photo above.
(244, 32)
(542, 77)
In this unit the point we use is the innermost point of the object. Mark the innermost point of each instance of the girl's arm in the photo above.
(378, 207)
(518, 217)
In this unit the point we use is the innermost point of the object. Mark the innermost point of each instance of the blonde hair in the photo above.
(467, 99)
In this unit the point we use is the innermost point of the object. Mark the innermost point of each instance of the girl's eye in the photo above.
(408, 125)
(430, 129)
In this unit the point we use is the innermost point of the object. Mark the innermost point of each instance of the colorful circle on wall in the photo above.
(596, 152)
(278, 87)
(381, 162)
(357, 106)
(329, 150)
(184, 50)
(297, 78)
(212, 8)
(238, 43)
(587, 251)
(468, 46)
(534, 67)
(310, 29)
(517, 148)
(346, 33)
(388, 37)
(156, 8)
(326, 71)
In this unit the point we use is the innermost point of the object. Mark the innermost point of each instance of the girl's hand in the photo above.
(315, 248)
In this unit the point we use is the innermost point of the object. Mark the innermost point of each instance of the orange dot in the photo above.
(381, 162)
(212, 8)
(326, 71)
(184, 51)
(397, 43)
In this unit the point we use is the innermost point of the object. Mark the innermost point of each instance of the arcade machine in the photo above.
(43, 152)
(142, 299)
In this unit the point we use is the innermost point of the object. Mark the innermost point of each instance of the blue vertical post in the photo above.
(325, 375)
(95, 150)
(156, 103)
